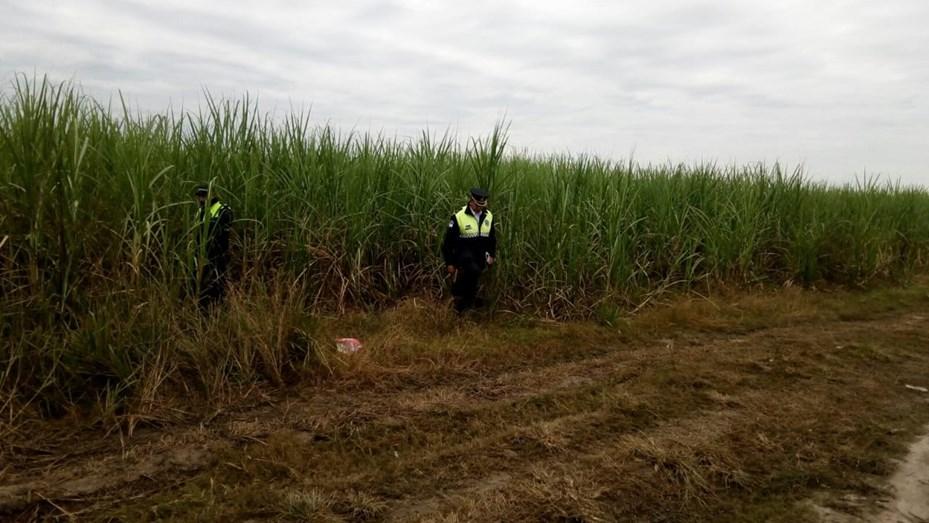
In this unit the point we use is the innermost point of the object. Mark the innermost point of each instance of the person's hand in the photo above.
(490, 260)
(451, 269)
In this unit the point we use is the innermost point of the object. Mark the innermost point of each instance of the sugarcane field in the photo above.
(401, 262)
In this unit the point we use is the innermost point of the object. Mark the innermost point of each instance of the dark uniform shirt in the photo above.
(468, 254)
(217, 232)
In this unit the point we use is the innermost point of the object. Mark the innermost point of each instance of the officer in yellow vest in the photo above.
(215, 221)
(470, 246)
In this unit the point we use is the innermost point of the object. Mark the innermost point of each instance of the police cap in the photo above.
(479, 194)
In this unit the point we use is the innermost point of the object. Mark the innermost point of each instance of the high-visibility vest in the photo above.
(468, 226)
(215, 209)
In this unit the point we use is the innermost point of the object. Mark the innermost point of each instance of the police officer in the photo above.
(214, 221)
(470, 246)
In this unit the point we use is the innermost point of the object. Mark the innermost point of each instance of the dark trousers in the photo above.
(465, 289)
(212, 285)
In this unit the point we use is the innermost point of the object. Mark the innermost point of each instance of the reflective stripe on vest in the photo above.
(215, 210)
(467, 224)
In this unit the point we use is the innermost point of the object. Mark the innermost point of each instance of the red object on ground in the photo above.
(347, 345)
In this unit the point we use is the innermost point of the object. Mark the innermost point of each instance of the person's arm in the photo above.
(450, 242)
(492, 242)
(225, 220)
(219, 237)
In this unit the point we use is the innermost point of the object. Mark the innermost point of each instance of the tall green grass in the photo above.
(97, 234)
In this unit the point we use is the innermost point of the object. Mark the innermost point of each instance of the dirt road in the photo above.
(773, 409)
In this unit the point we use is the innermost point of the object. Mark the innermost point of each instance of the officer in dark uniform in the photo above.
(214, 222)
(470, 246)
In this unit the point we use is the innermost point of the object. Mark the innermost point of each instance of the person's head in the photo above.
(478, 201)
(201, 193)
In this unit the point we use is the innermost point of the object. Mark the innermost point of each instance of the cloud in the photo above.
(838, 86)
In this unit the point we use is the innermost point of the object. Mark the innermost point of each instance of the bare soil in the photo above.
(910, 484)
(786, 406)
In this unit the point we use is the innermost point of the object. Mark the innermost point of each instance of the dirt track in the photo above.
(582, 424)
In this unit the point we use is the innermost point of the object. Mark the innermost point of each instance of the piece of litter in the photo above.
(347, 345)
(914, 387)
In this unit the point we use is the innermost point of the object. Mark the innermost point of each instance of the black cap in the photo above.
(479, 194)
(202, 190)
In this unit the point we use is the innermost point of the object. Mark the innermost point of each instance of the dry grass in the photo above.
(734, 409)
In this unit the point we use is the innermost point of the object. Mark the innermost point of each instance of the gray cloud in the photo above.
(837, 86)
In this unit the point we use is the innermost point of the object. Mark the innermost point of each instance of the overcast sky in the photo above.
(840, 86)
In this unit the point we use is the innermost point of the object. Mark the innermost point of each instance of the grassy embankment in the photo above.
(96, 240)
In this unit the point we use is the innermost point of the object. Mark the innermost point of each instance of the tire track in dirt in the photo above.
(186, 450)
(451, 398)
(327, 414)
(689, 431)
(480, 485)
